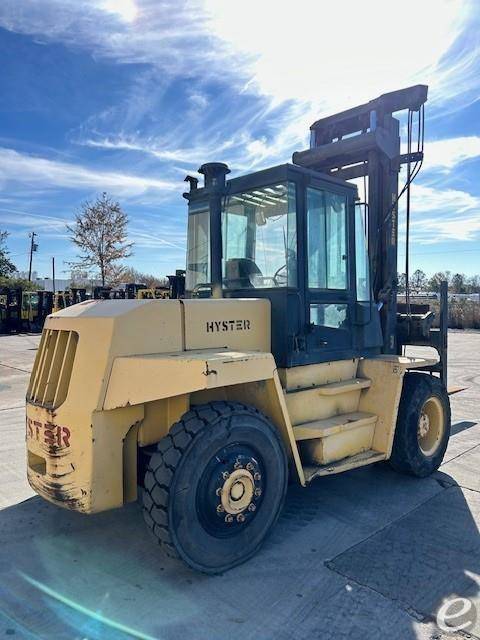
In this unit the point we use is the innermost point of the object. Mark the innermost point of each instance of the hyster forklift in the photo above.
(285, 360)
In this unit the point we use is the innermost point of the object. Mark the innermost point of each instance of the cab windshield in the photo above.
(259, 240)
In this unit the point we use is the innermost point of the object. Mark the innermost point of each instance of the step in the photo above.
(317, 403)
(335, 424)
(334, 388)
(314, 375)
(352, 462)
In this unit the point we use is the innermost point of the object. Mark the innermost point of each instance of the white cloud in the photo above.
(331, 56)
(339, 55)
(188, 155)
(155, 241)
(426, 199)
(34, 171)
(313, 60)
(442, 215)
(127, 10)
(18, 218)
(446, 154)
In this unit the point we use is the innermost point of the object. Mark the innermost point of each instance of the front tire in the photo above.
(215, 486)
(423, 426)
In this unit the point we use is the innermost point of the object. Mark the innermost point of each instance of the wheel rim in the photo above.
(431, 426)
(230, 490)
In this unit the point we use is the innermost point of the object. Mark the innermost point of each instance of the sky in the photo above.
(129, 96)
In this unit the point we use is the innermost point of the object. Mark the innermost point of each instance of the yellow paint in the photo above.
(338, 446)
(112, 375)
(314, 375)
(238, 324)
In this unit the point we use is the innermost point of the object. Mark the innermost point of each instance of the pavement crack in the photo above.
(418, 616)
(9, 366)
(444, 464)
(389, 524)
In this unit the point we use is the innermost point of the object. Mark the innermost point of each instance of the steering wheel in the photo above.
(280, 276)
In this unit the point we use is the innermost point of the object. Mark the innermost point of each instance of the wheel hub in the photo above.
(231, 490)
(423, 425)
(237, 491)
(431, 426)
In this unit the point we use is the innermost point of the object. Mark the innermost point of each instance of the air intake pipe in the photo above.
(214, 173)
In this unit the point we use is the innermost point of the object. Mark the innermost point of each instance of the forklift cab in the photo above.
(294, 236)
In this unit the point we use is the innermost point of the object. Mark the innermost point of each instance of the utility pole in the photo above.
(53, 274)
(33, 247)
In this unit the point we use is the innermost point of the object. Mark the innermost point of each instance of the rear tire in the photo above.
(215, 486)
(423, 426)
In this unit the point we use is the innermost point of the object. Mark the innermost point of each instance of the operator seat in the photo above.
(238, 273)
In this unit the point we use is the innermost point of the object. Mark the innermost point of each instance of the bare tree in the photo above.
(100, 231)
(120, 273)
(437, 278)
(418, 281)
(474, 284)
(401, 280)
(459, 284)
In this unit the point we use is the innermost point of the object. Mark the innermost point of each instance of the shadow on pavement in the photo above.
(398, 545)
(462, 426)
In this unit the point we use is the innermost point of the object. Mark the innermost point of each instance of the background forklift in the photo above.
(10, 309)
(36, 306)
(284, 359)
(64, 299)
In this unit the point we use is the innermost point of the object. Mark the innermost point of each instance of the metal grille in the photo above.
(53, 368)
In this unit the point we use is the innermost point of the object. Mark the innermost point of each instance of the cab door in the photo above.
(329, 290)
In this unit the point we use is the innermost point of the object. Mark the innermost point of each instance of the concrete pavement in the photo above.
(367, 554)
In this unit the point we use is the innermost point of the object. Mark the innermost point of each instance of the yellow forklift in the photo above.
(286, 358)
(36, 306)
(10, 309)
(64, 299)
(153, 293)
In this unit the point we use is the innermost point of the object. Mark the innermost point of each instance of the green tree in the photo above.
(23, 283)
(7, 268)
(100, 232)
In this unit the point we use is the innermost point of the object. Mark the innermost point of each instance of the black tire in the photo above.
(183, 496)
(408, 456)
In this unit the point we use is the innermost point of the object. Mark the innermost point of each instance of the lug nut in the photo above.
(220, 509)
(249, 466)
(237, 465)
(258, 492)
(257, 476)
(240, 517)
(225, 475)
(229, 518)
(251, 507)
